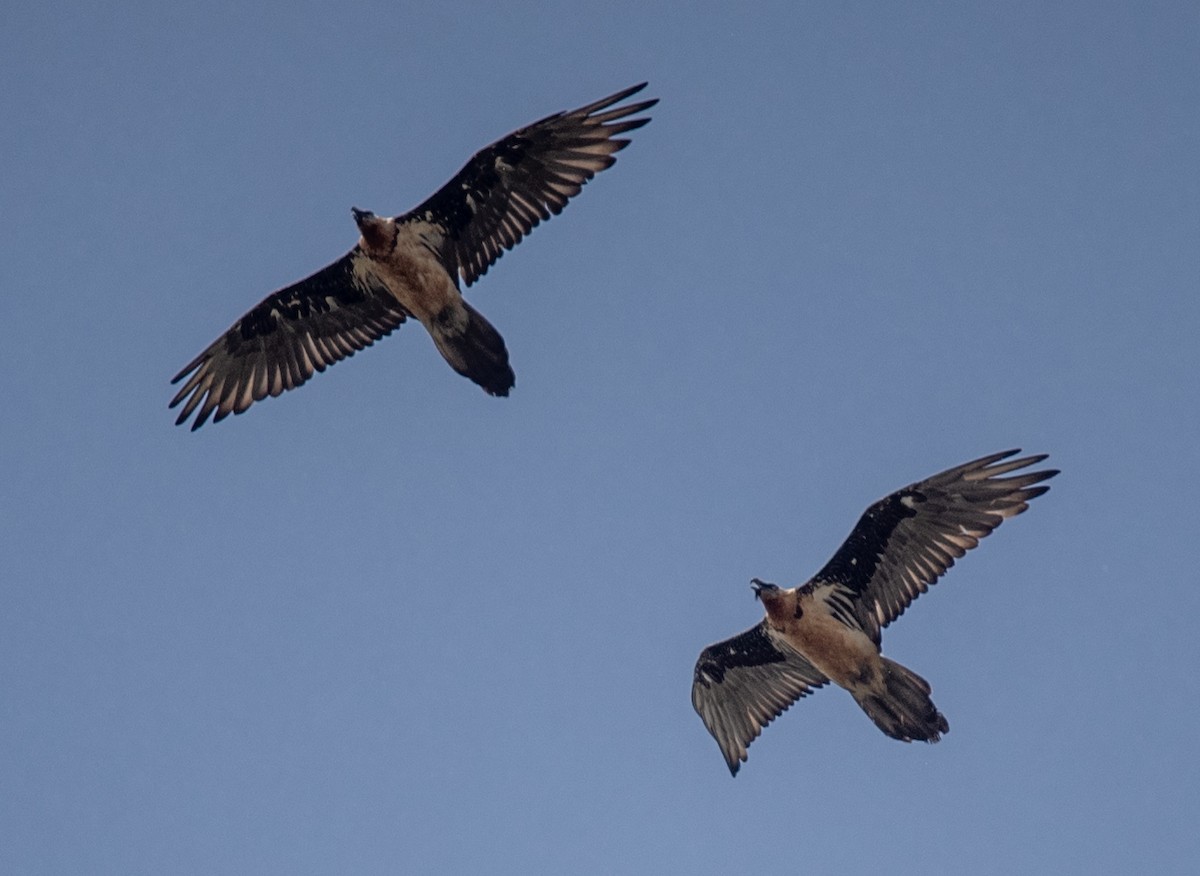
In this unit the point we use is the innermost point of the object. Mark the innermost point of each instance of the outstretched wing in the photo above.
(742, 684)
(905, 542)
(506, 189)
(289, 335)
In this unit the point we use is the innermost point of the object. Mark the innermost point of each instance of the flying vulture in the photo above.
(829, 628)
(410, 266)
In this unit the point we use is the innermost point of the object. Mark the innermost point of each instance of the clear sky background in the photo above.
(387, 624)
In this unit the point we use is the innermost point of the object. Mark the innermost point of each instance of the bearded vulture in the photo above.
(411, 266)
(829, 628)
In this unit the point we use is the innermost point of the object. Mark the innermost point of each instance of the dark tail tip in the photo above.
(497, 381)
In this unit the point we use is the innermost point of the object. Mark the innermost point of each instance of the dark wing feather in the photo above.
(288, 336)
(742, 684)
(506, 189)
(905, 542)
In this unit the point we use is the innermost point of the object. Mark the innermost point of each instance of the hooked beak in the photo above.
(360, 215)
(760, 586)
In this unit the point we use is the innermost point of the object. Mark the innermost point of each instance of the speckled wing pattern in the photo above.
(742, 684)
(507, 188)
(286, 338)
(906, 541)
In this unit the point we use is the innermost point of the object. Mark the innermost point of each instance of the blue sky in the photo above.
(386, 623)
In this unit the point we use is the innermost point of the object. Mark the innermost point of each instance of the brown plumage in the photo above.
(410, 266)
(829, 629)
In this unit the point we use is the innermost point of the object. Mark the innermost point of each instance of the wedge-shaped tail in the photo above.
(902, 708)
(474, 349)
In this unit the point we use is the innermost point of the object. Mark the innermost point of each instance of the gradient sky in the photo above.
(387, 624)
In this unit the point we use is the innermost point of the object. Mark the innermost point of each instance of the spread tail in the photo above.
(473, 348)
(903, 709)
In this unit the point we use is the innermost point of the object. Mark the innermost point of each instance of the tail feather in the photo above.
(473, 348)
(903, 709)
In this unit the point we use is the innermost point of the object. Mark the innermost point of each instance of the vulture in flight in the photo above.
(829, 628)
(410, 266)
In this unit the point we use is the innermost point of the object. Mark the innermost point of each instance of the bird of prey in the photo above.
(829, 628)
(410, 266)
